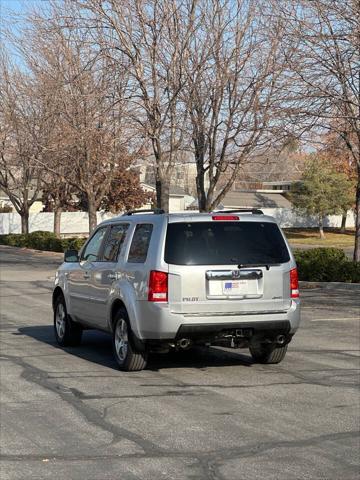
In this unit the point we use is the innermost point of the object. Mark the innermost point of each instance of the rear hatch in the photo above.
(224, 265)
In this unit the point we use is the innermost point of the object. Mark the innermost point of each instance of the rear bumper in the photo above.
(200, 330)
(156, 322)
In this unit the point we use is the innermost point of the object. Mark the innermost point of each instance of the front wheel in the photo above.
(126, 355)
(263, 353)
(67, 332)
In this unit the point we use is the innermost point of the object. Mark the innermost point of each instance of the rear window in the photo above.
(224, 243)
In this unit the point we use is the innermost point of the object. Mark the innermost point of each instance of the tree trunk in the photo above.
(201, 194)
(321, 228)
(158, 192)
(357, 224)
(210, 200)
(57, 221)
(92, 213)
(343, 222)
(200, 185)
(162, 194)
(165, 195)
(24, 221)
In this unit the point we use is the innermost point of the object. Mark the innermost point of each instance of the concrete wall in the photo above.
(76, 223)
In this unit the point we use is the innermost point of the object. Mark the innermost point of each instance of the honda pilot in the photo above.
(158, 281)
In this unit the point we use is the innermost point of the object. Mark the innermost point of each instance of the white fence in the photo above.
(287, 218)
(76, 223)
(72, 223)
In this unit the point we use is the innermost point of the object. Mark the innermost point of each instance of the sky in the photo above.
(10, 19)
(9, 7)
(18, 6)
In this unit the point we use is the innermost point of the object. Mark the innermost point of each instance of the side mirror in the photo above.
(71, 256)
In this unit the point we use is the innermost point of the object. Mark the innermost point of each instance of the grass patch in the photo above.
(310, 236)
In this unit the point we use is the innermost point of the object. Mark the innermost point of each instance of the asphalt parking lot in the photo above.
(204, 414)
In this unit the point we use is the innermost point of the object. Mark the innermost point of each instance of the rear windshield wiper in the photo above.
(251, 265)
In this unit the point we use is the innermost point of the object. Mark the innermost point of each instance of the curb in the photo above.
(33, 251)
(329, 285)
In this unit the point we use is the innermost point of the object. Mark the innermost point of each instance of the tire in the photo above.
(127, 356)
(268, 353)
(67, 332)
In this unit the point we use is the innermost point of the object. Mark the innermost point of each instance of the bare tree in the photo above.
(34, 46)
(325, 69)
(149, 38)
(233, 68)
(24, 129)
(91, 134)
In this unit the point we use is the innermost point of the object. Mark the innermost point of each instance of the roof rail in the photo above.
(255, 211)
(155, 211)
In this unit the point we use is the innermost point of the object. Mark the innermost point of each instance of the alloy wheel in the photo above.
(60, 320)
(121, 340)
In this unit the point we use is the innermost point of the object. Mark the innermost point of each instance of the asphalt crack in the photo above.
(91, 415)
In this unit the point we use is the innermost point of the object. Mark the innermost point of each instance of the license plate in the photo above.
(235, 287)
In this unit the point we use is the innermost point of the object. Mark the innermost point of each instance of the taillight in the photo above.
(225, 217)
(294, 283)
(158, 286)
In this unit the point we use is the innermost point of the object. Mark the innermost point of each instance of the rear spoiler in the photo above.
(155, 211)
(254, 211)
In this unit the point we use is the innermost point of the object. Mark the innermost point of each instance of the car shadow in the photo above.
(198, 357)
(96, 347)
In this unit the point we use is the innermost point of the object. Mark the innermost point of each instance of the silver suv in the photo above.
(159, 281)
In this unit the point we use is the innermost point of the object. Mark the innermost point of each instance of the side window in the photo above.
(92, 249)
(140, 243)
(114, 242)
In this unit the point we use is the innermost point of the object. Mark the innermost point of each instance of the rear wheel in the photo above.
(127, 356)
(67, 332)
(263, 353)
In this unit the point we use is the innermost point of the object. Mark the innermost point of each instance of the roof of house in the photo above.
(237, 199)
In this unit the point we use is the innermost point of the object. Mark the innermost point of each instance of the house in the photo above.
(255, 199)
(183, 175)
(260, 198)
(6, 204)
(179, 200)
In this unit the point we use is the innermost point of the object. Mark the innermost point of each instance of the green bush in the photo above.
(14, 240)
(326, 265)
(73, 243)
(54, 245)
(41, 240)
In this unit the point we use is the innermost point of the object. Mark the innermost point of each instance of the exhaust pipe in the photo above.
(184, 343)
(281, 339)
